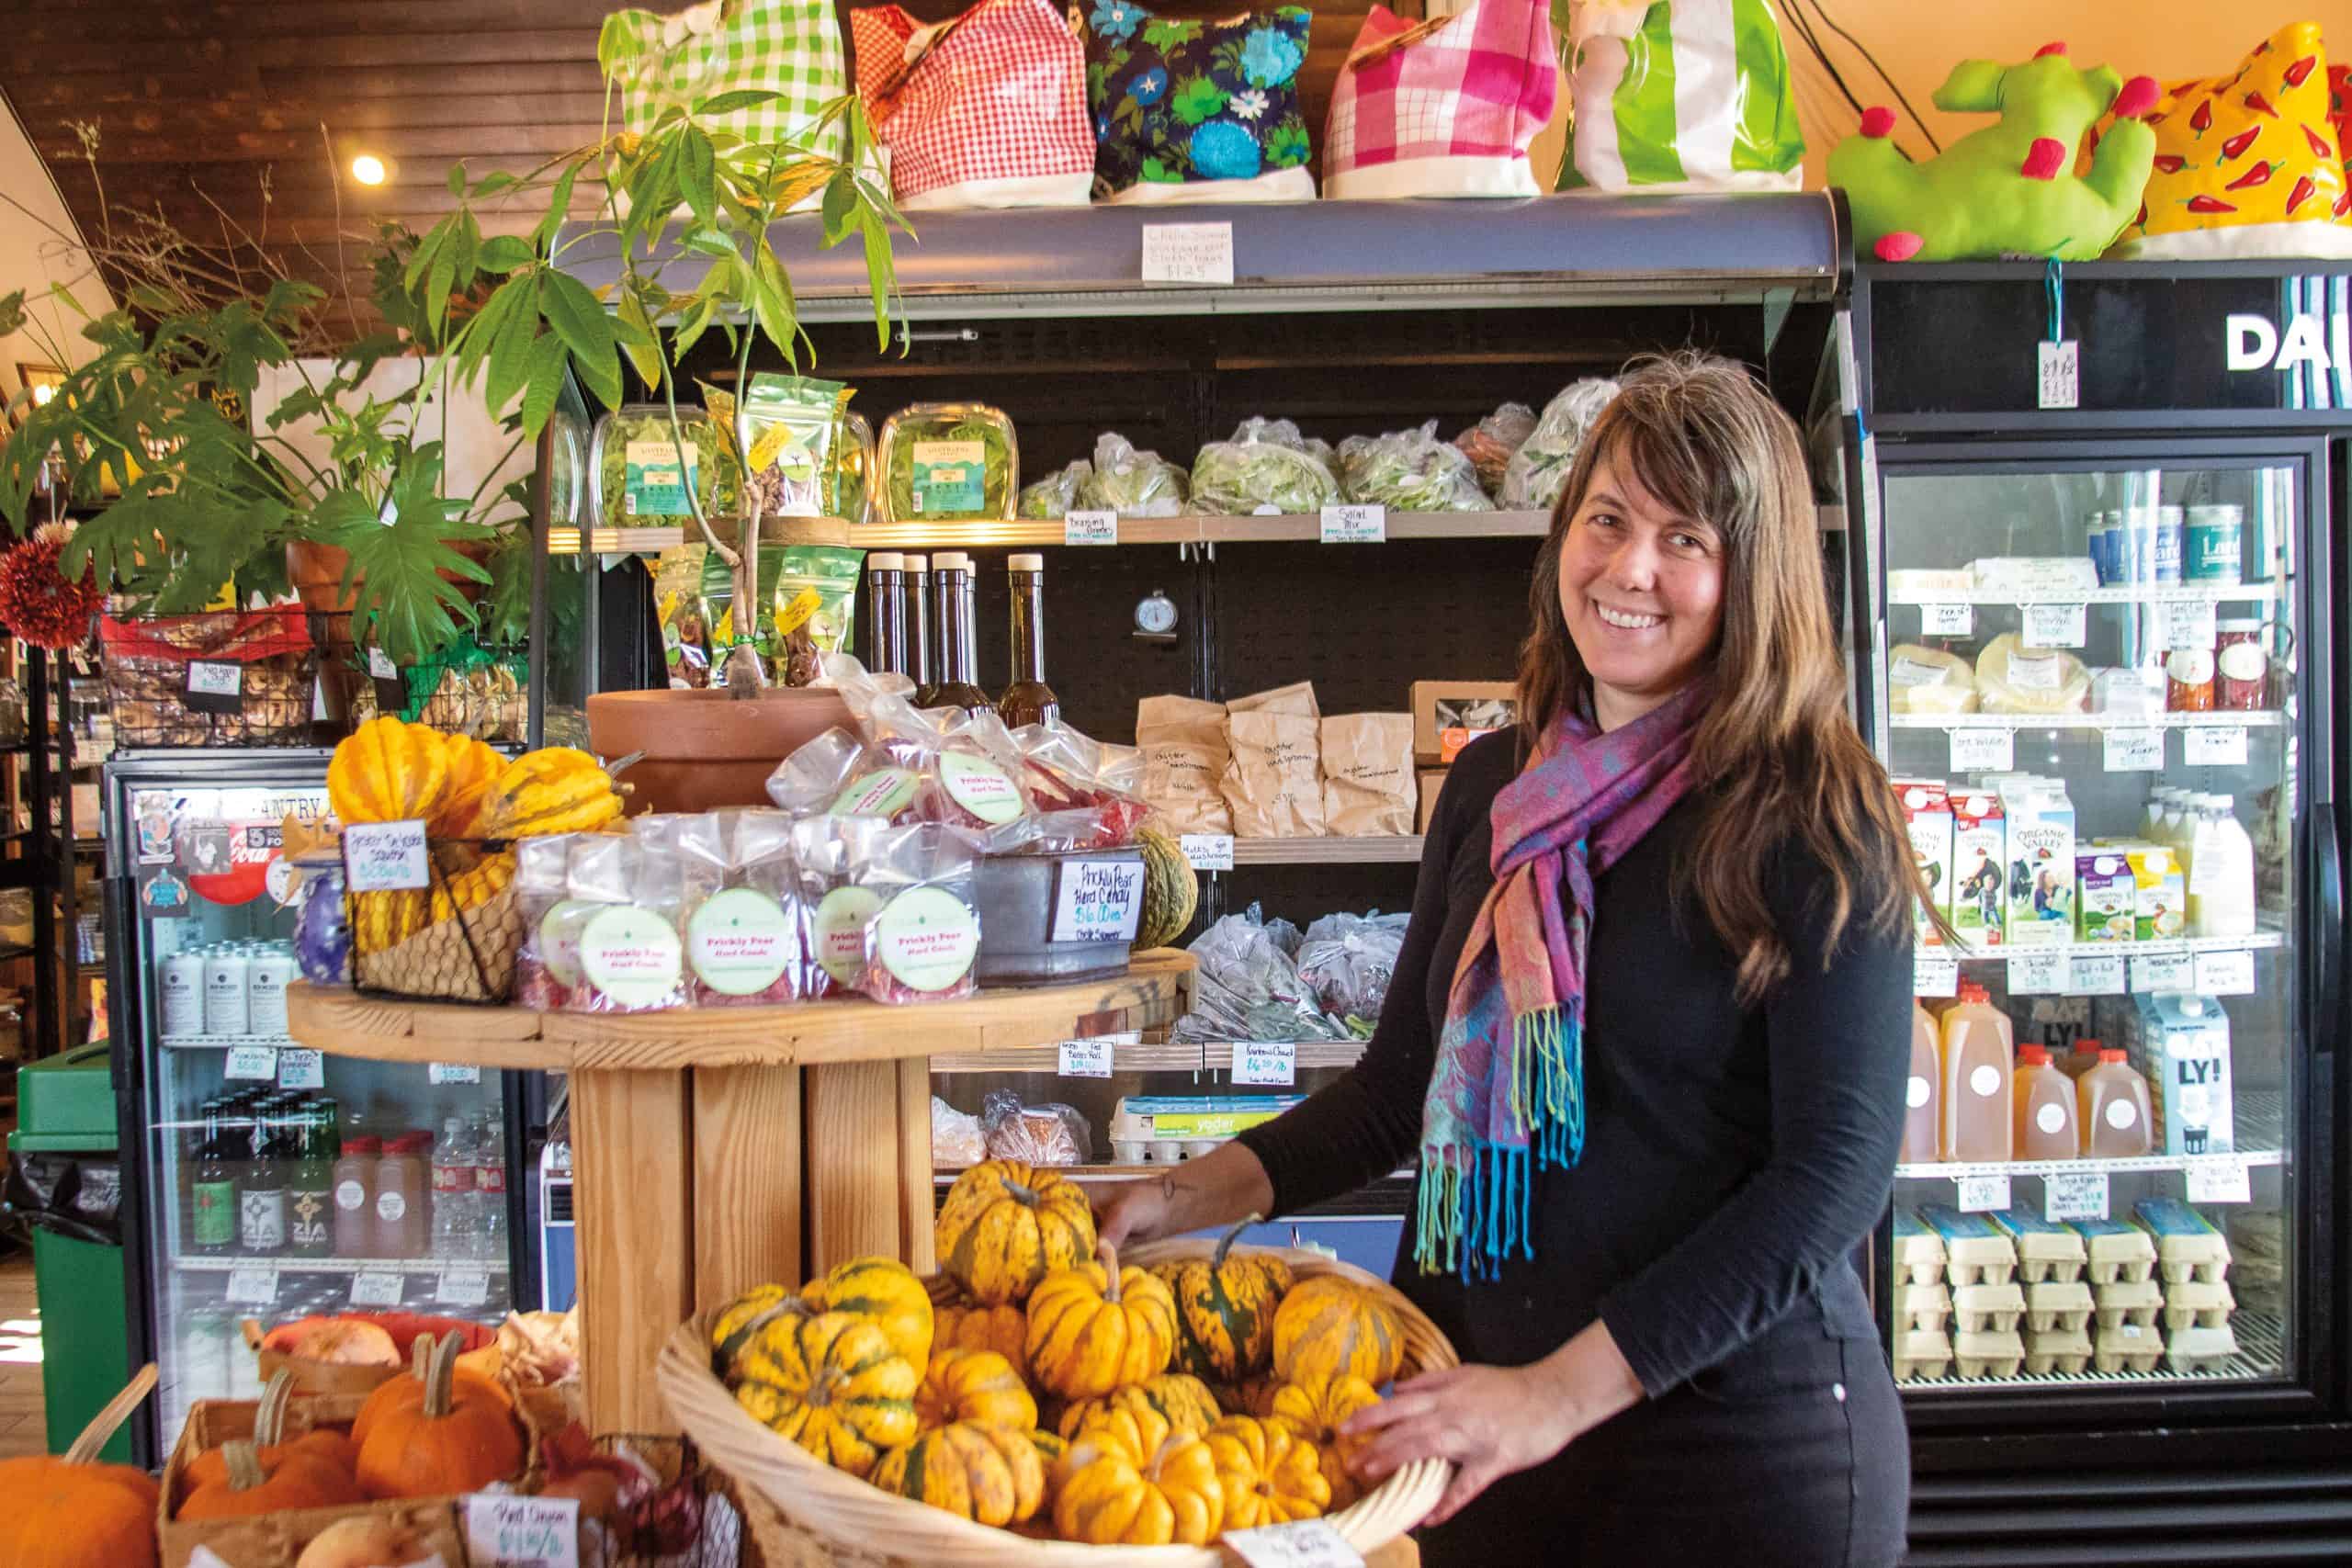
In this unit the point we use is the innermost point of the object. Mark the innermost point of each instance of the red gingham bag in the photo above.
(986, 110)
(1448, 107)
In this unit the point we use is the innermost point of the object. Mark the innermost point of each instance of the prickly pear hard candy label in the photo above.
(632, 955)
(739, 941)
(979, 787)
(927, 938)
(842, 918)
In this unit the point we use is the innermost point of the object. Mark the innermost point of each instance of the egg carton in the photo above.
(1921, 1353)
(2188, 1246)
(2127, 1348)
(1988, 1354)
(1918, 1251)
(1982, 1309)
(2118, 1253)
(1927, 1307)
(2058, 1306)
(2132, 1302)
(2203, 1349)
(1976, 1251)
(2197, 1303)
(2066, 1350)
(2045, 1251)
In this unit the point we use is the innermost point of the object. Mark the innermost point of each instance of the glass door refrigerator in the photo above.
(265, 1182)
(2096, 659)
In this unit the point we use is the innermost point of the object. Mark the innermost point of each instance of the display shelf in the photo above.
(1194, 1057)
(2230, 593)
(1033, 532)
(200, 1263)
(2261, 1140)
(2262, 1354)
(1371, 849)
(222, 1042)
(2264, 718)
(1970, 953)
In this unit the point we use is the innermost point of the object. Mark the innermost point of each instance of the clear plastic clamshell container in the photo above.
(948, 463)
(639, 475)
(852, 495)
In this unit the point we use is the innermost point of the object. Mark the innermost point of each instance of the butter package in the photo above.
(2106, 897)
(1918, 1251)
(1921, 1353)
(1980, 905)
(2197, 1304)
(2188, 1246)
(1917, 585)
(2056, 1305)
(2040, 848)
(2035, 577)
(2127, 1301)
(1978, 1309)
(2128, 1347)
(2045, 1251)
(1923, 1306)
(2063, 1350)
(1992, 1353)
(2201, 1349)
(2118, 1252)
(1976, 1251)
(1927, 815)
(2181, 1045)
(2159, 893)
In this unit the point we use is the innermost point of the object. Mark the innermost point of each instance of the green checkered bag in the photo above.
(1678, 95)
(792, 47)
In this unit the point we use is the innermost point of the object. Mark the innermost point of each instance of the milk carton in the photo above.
(1927, 813)
(1979, 910)
(2041, 850)
(2160, 893)
(2180, 1043)
(2106, 896)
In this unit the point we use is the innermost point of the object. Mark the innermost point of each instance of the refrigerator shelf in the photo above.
(224, 1042)
(2262, 1355)
(1969, 952)
(224, 1264)
(2146, 597)
(2259, 718)
(2261, 1136)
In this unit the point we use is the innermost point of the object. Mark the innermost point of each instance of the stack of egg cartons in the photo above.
(1922, 1303)
(2123, 1287)
(1980, 1261)
(2258, 1260)
(2051, 1260)
(2194, 1259)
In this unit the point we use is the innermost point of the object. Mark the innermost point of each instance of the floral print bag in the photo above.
(1197, 111)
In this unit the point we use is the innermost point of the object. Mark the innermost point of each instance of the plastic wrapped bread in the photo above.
(2013, 678)
(1927, 680)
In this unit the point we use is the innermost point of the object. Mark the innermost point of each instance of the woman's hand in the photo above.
(1213, 1191)
(1133, 1210)
(1490, 1421)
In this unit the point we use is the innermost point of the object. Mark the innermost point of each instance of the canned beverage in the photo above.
(227, 1009)
(180, 993)
(2171, 543)
(269, 972)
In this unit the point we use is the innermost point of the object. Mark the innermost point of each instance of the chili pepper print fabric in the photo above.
(2248, 164)
(1182, 102)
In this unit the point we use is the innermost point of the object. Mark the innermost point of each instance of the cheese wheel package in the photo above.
(2014, 678)
(1927, 680)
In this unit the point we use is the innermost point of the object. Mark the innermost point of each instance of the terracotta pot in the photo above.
(706, 748)
(317, 573)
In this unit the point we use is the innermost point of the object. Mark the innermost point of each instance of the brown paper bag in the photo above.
(1273, 784)
(1298, 698)
(1368, 773)
(1184, 755)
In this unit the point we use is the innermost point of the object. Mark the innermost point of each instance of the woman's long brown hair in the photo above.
(1776, 750)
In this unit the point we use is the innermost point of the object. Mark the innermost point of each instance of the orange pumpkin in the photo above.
(61, 1514)
(460, 1436)
(211, 1467)
(408, 1393)
(253, 1486)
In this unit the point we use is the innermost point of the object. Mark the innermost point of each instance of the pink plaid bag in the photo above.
(1447, 106)
(987, 109)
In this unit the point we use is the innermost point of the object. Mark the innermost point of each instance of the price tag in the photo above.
(2225, 974)
(2128, 751)
(1097, 900)
(385, 857)
(1982, 749)
(2220, 1181)
(1355, 525)
(1934, 974)
(1947, 620)
(208, 679)
(1085, 1059)
(463, 1288)
(1188, 253)
(2095, 974)
(1302, 1543)
(2213, 746)
(2060, 374)
(380, 666)
(506, 1531)
(298, 1069)
(1984, 1194)
(1271, 1062)
(1208, 851)
(2189, 623)
(2037, 974)
(258, 1062)
(376, 1290)
(452, 1072)
(1090, 529)
(2054, 625)
(2164, 972)
(2074, 1195)
(252, 1286)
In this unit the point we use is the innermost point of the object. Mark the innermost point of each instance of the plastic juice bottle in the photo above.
(401, 1194)
(2043, 1126)
(2221, 875)
(2080, 1060)
(1923, 1116)
(354, 1197)
(1980, 1069)
(2111, 1106)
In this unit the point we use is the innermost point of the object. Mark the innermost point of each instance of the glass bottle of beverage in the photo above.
(310, 1188)
(1028, 700)
(886, 611)
(959, 652)
(919, 626)
(212, 1218)
(261, 1195)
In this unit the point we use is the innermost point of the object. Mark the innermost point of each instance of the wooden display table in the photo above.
(699, 1138)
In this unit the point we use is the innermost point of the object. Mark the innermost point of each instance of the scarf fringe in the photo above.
(1473, 1206)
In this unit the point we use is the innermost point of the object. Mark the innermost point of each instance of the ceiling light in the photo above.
(367, 169)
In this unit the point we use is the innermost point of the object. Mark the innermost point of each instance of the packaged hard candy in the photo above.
(630, 958)
(741, 916)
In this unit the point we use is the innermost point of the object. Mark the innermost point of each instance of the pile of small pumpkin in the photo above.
(1054, 1395)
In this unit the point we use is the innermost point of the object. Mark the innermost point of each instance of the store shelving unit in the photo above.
(2086, 723)
(289, 1264)
(2261, 1127)
(2148, 596)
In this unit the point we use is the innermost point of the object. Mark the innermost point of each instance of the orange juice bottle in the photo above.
(2043, 1127)
(2081, 1059)
(2111, 1106)
(1923, 1116)
(1980, 1069)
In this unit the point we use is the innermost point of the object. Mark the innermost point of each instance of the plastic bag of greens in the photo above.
(1131, 483)
(1409, 470)
(785, 428)
(1347, 962)
(1247, 987)
(949, 463)
(1055, 496)
(1267, 468)
(1538, 471)
(1489, 443)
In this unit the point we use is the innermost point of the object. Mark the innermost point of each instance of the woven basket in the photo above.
(842, 1520)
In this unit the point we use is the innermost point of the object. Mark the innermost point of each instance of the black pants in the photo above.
(1793, 1454)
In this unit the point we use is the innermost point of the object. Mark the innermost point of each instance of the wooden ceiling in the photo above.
(251, 110)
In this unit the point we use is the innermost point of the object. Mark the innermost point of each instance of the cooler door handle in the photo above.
(2327, 1010)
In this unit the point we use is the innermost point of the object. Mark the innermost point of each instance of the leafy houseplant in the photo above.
(207, 500)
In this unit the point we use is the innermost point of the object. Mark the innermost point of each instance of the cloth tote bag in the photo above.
(789, 47)
(1442, 107)
(1679, 96)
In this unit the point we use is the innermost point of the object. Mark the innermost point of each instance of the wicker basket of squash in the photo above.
(1047, 1401)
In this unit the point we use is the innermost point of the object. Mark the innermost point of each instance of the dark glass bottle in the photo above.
(1028, 700)
(918, 625)
(885, 612)
(212, 1188)
(951, 585)
(261, 1195)
(310, 1185)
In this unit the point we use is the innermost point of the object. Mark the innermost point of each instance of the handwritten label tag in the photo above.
(522, 1532)
(2162, 972)
(380, 666)
(2095, 975)
(252, 1286)
(1981, 748)
(1355, 525)
(1208, 851)
(1270, 1062)
(1090, 529)
(2058, 380)
(215, 687)
(298, 1069)
(1098, 901)
(376, 1290)
(463, 1288)
(1947, 620)
(2225, 974)
(2054, 625)
(2037, 974)
(2074, 1195)
(2189, 623)
(1984, 1194)
(1188, 253)
(2220, 1181)
(2134, 750)
(1302, 1543)
(385, 857)
(1934, 974)
(1085, 1059)
(452, 1072)
(2213, 746)
(258, 1062)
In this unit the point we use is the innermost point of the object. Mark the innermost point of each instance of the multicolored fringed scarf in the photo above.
(1509, 1075)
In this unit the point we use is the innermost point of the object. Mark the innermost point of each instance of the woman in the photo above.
(1649, 1035)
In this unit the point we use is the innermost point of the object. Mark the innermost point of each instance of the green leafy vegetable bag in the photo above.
(949, 463)
(641, 477)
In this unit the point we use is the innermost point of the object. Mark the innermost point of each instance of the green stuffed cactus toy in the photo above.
(2009, 189)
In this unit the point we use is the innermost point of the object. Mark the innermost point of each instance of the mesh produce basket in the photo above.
(454, 940)
(469, 690)
(150, 663)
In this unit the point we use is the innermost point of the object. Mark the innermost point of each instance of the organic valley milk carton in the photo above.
(1980, 903)
(1927, 812)
(2041, 865)
(2106, 895)
(2180, 1043)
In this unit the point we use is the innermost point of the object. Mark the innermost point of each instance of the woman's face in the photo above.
(1641, 588)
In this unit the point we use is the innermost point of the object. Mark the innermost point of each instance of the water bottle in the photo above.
(455, 1228)
(490, 1189)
